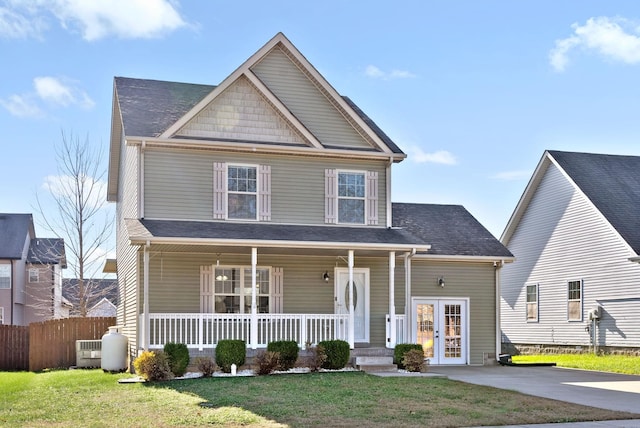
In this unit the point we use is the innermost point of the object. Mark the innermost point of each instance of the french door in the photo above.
(440, 326)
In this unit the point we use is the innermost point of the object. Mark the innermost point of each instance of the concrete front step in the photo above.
(373, 360)
(373, 364)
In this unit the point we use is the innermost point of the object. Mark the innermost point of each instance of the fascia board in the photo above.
(454, 258)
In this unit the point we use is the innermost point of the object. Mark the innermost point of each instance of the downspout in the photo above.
(407, 294)
(498, 266)
(141, 180)
(13, 291)
(146, 328)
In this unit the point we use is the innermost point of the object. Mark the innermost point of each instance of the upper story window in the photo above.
(574, 300)
(242, 192)
(532, 302)
(351, 197)
(5, 276)
(34, 275)
(1, 315)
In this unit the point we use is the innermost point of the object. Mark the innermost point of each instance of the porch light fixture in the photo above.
(441, 281)
(326, 276)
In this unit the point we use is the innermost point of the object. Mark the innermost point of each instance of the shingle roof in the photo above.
(47, 251)
(612, 184)
(14, 231)
(100, 287)
(450, 230)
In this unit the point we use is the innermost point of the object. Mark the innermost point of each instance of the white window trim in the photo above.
(1, 315)
(228, 192)
(581, 300)
(5, 266)
(37, 274)
(338, 197)
(243, 282)
(537, 303)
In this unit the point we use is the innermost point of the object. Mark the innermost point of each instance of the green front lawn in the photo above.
(91, 398)
(604, 363)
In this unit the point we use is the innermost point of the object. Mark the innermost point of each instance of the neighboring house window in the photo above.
(1, 316)
(351, 197)
(241, 192)
(34, 275)
(5, 276)
(232, 290)
(532, 302)
(574, 300)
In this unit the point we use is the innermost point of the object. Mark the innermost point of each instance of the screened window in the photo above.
(532, 302)
(574, 301)
(34, 275)
(5, 276)
(351, 197)
(242, 192)
(232, 290)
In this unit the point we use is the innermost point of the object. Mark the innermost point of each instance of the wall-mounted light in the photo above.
(325, 276)
(441, 281)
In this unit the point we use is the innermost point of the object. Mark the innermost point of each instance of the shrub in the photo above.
(400, 350)
(317, 358)
(152, 366)
(206, 365)
(178, 357)
(337, 353)
(413, 360)
(288, 350)
(230, 352)
(266, 362)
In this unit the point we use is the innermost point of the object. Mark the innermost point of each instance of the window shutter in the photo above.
(372, 197)
(219, 190)
(206, 289)
(265, 193)
(277, 282)
(330, 201)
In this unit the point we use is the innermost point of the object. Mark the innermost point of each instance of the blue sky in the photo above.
(473, 91)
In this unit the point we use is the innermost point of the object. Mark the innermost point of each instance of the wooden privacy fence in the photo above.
(14, 347)
(52, 344)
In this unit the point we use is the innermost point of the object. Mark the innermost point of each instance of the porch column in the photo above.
(351, 309)
(146, 327)
(407, 300)
(392, 301)
(254, 306)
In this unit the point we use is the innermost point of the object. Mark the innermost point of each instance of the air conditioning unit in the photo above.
(88, 353)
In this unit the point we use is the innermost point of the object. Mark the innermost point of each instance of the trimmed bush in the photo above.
(400, 350)
(206, 365)
(288, 350)
(178, 357)
(316, 359)
(152, 366)
(230, 352)
(266, 362)
(337, 353)
(413, 360)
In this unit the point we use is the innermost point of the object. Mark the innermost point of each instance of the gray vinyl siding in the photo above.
(303, 98)
(179, 184)
(560, 238)
(475, 281)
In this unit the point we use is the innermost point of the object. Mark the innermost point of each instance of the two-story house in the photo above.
(260, 209)
(30, 273)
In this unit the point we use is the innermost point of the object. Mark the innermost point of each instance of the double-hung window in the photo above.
(532, 302)
(242, 192)
(351, 197)
(574, 300)
(232, 290)
(1, 315)
(5, 276)
(34, 275)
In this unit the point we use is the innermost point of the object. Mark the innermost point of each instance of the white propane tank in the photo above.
(114, 351)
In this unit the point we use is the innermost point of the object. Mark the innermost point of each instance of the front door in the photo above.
(360, 290)
(440, 327)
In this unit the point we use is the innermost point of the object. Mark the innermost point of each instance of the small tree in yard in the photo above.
(79, 215)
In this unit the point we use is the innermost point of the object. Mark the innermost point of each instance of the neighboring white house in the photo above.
(575, 234)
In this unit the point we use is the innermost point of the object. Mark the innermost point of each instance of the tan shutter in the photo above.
(264, 193)
(206, 289)
(372, 197)
(219, 190)
(277, 284)
(330, 205)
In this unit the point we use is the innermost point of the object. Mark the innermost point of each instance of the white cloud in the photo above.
(613, 38)
(94, 19)
(21, 106)
(64, 187)
(444, 157)
(512, 175)
(374, 72)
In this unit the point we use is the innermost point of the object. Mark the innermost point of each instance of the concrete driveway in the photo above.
(596, 389)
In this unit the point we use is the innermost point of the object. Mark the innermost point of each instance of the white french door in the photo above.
(440, 326)
(360, 293)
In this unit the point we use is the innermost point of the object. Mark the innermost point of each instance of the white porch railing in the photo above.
(206, 330)
(399, 325)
